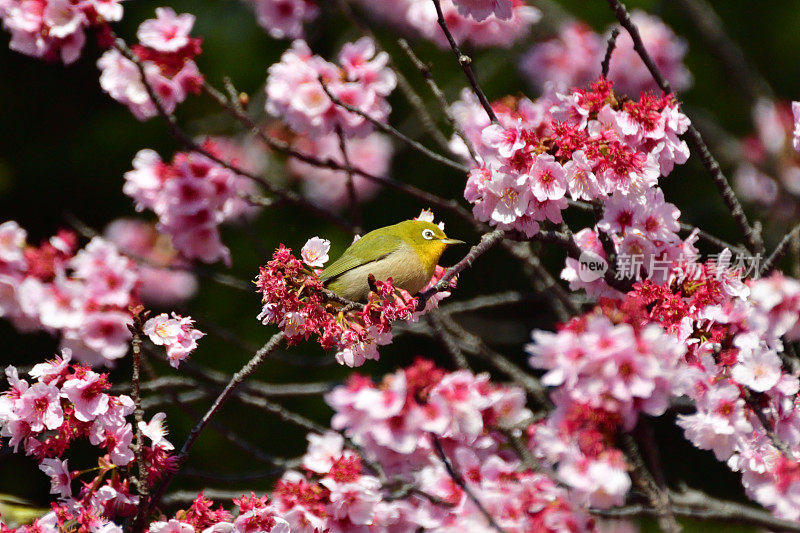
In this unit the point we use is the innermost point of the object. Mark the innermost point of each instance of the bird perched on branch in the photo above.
(407, 252)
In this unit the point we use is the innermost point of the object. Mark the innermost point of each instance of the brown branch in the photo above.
(450, 344)
(658, 497)
(139, 480)
(751, 234)
(541, 279)
(753, 402)
(710, 27)
(466, 63)
(474, 345)
(421, 112)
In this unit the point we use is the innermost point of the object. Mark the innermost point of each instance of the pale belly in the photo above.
(405, 269)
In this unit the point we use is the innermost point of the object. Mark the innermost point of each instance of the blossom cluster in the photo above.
(192, 196)
(400, 423)
(166, 52)
(644, 235)
(573, 57)
(589, 144)
(83, 295)
(607, 374)
(384, 441)
(296, 94)
(176, 334)
(56, 29)
(371, 154)
(295, 299)
(476, 22)
(703, 334)
(67, 403)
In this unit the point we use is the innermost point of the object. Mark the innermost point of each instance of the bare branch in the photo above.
(466, 63)
(434, 318)
(700, 506)
(610, 45)
(779, 251)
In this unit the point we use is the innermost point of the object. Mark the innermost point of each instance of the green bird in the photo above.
(407, 252)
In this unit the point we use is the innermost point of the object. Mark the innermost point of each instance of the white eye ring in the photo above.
(427, 234)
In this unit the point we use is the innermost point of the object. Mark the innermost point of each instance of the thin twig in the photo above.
(488, 301)
(466, 63)
(658, 497)
(708, 24)
(420, 111)
(391, 130)
(769, 429)
(779, 251)
(437, 446)
(427, 75)
(541, 279)
(355, 213)
(751, 234)
(474, 345)
(610, 45)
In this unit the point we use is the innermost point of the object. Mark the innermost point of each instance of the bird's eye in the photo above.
(427, 234)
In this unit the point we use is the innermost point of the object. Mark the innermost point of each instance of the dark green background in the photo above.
(64, 146)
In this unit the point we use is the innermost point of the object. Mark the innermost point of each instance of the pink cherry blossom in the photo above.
(168, 32)
(161, 281)
(477, 22)
(60, 476)
(85, 393)
(177, 334)
(167, 54)
(39, 407)
(758, 369)
(315, 252)
(156, 431)
(481, 9)
(570, 59)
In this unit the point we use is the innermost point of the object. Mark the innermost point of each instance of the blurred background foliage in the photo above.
(64, 146)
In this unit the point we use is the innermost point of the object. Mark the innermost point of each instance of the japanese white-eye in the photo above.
(407, 252)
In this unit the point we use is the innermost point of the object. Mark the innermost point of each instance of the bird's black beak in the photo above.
(451, 241)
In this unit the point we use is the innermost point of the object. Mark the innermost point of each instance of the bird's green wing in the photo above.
(365, 250)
